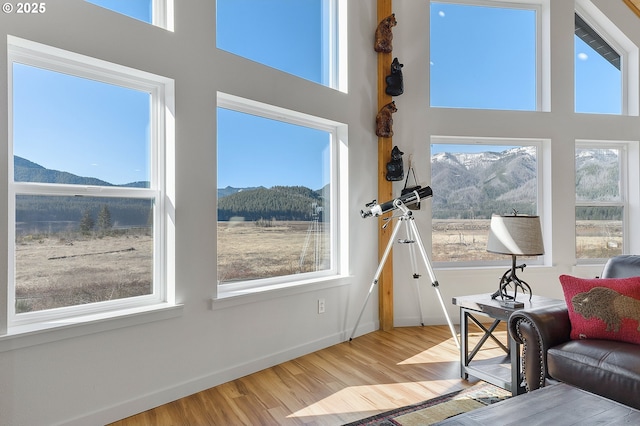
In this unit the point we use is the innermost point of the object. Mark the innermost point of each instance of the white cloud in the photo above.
(583, 56)
(441, 14)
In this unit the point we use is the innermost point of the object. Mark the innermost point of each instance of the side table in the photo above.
(504, 372)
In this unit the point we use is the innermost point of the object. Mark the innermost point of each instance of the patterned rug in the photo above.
(438, 409)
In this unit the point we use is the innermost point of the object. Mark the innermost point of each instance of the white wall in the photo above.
(105, 376)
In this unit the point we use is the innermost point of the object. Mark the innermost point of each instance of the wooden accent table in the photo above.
(557, 405)
(502, 371)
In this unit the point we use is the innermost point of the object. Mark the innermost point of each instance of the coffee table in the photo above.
(557, 405)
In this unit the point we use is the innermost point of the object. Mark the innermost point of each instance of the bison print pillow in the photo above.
(603, 308)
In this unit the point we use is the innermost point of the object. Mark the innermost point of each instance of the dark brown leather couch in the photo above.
(607, 368)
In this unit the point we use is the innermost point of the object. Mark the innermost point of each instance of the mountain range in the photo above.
(465, 185)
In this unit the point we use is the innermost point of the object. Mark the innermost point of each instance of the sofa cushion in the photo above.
(607, 368)
(603, 308)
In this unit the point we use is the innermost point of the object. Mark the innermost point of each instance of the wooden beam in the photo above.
(633, 5)
(385, 192)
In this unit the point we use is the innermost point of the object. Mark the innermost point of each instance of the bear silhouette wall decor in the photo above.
(395, 168)
(384, 36)
(395, 84)
(384, 120)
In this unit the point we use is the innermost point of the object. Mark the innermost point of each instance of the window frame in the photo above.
(542, 9)
(338, 197)
(161, 91)
(624, 202)
(541, 146)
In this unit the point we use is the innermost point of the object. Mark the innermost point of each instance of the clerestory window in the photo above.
(303, 38)
(156, 12)
(487, 55)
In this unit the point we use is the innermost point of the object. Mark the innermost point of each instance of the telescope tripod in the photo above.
(413, 237)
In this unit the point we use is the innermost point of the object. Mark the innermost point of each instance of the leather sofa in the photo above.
(604, 367)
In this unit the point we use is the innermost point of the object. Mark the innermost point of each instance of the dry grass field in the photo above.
(69, 269)
(249, 251)
(55, 271)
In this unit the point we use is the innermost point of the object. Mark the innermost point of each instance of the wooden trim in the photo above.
(633, 5)
(385, 192)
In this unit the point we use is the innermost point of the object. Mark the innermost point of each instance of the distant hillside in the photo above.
(476, 185)
(45, 213)
(224, 192)
(278, 202)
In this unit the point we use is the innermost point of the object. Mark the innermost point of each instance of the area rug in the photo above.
(439, 408)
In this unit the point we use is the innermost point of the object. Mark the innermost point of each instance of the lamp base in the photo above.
(510, 278)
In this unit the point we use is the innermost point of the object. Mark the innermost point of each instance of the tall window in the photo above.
(297, 37)
(598, 75)
(600, 200)
(484, 56)
(277, 194)
(87, 189)
(472, 180)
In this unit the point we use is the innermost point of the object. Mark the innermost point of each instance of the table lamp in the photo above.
(515, 235)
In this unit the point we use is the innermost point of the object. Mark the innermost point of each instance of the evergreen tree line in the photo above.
(278, 202)
(38, 213)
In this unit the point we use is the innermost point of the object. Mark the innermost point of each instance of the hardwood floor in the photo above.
(349, 381)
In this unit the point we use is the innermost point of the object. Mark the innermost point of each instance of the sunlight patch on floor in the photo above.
(377, 397)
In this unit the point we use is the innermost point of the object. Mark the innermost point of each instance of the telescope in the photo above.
(407, 199)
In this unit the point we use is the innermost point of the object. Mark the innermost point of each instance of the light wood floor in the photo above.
(349, 381)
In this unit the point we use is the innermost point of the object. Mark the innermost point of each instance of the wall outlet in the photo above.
(321, 306)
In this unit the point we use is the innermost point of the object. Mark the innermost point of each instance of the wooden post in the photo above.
(385, 192)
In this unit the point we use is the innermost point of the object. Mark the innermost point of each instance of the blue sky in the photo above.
(481, 57)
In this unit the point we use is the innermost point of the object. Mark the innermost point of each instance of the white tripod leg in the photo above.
(411, 239)
(378, 273)
(434, 281)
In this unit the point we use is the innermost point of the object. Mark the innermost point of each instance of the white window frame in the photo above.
(623, 148)
(628, 51)
(541, 146)
(161, 188)
(338, 197)
(543, 40)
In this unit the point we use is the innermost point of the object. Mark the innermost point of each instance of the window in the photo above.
(600, 200)
(157, 12)
(486, 55)
(297, 37)
(87, 190)
(278, 194)
(473, 179)
(598, 75)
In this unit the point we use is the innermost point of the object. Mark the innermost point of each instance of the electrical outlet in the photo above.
(321, 306)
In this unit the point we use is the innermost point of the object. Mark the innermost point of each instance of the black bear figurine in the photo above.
(395, 85)
(395, 169)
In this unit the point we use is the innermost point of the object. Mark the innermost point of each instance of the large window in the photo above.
(600, 200)
(87, 185)
(297, 37)
(485, 55)
(278, 193)
(598, 75)
(473, 179)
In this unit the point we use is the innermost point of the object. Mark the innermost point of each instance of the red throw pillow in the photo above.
(603, 308)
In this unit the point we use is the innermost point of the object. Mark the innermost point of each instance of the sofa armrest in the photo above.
(538, 329)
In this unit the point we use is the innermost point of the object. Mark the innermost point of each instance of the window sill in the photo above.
(35, 334)
(235, 297)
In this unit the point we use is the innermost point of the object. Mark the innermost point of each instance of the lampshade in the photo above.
(519, 235)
